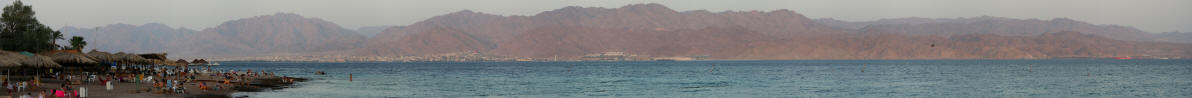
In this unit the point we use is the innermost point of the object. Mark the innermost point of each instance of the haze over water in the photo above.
(808, 78)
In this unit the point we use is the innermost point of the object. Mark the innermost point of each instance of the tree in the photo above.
(77, 42)
(54, 42)
(20, 31)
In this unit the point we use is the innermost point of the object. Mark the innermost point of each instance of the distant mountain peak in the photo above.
(469, 13)
(120, 25)
(463, 12)
(646, 6)
(275, 16)
(1067, 20)
(634, 8)
(285, 14)
(155, 25)
(571, 8)
(784, 12)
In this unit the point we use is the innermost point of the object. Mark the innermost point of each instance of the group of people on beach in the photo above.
(63, 91)
(233, 75)
(157, 79)
(174, 80)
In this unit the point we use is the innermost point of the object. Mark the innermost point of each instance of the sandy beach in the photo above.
(217, 89)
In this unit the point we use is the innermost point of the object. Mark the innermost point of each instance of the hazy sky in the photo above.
(1148, 15)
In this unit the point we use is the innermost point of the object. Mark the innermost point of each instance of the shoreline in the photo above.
(128, 89)
(710, 60)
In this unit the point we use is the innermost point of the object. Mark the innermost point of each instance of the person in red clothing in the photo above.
(203, 86)
(59, 93)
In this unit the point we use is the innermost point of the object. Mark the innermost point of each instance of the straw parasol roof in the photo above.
(72, 58)
(199, 61)
(40, 61)
(36, 61)
(154, 56)
(181, 62)
(132, 58)
(9, 59)
(129, 58)
(100, 56)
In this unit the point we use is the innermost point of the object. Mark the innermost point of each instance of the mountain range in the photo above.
(151, 37)
(993, 25)
(277, 34)
(650, 30)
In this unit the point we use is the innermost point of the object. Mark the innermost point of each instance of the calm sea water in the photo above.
(843, 78)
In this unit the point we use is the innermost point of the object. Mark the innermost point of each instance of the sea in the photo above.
(734, 79)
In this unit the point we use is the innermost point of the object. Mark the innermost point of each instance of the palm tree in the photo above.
(57, 36)
(77, 42)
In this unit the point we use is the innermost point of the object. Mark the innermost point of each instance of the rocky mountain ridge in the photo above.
(651, 30)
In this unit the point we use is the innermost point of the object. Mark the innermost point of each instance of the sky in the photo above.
(1148, 15)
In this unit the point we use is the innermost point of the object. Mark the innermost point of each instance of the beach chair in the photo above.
(180, 90)
(21, 86)
(91, 78)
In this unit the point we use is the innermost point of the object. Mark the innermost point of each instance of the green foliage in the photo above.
(20, 30)
(57, 36)
(77, 42)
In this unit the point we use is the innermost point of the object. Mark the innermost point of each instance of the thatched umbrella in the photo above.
(22, 61)
(8, 59)
(26, 60)
(199, 61)
(181, 62)
(72, 58)
(154, 56)
(40, 62)
(132, 58)
(102, 56)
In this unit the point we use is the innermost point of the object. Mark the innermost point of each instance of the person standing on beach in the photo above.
(349, 77)
(82, 91)
(59, 93)
(6, 85)
(36, 83)
(203, 86)
(138, 80)
(108, 84)
(41, 95)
